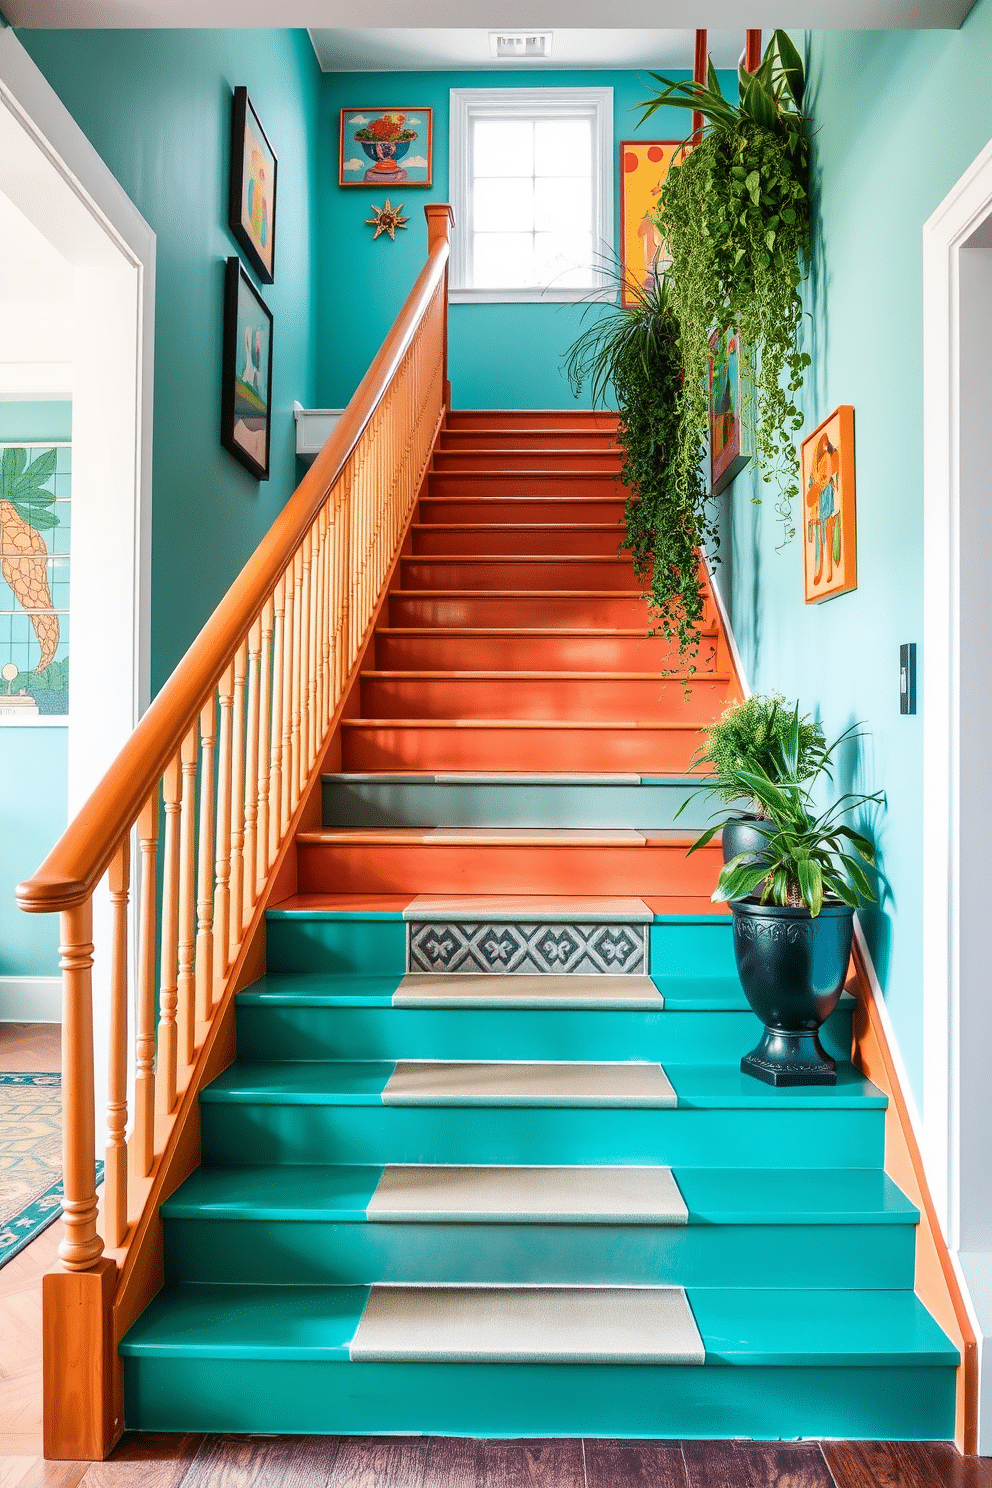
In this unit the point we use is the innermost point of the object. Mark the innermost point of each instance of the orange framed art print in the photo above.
(830, 539)
(644, 167)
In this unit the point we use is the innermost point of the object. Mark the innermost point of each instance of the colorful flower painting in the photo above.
(731, 439)
(246, 388)
(252, 204)
(386, 147)
(644, 167)
(829, 532)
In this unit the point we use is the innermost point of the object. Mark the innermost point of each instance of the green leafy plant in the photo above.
(808, 856)
(749, 737)
(634, 350)
(21, 484)
(736, 217)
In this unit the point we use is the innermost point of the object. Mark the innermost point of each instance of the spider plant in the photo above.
(633, 350)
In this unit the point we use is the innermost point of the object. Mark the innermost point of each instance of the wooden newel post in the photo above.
(81, 1387)
(440, 220)
(81, 1245)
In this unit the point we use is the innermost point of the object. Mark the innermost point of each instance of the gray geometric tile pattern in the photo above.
(541, 948)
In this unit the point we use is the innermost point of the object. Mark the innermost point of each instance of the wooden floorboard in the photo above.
(905, 1465)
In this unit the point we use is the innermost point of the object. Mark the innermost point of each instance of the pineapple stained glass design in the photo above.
(35, 526)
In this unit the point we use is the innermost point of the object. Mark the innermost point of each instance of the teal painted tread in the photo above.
(698, 1087)
(308, 1225)
(739, 1327)
(713, 1196)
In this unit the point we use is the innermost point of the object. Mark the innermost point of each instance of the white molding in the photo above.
(953, 715)
(118, 239)
(30, 999)
(467, 104)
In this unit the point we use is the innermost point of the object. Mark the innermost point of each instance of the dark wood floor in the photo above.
(424, 1462)
(417, 1462)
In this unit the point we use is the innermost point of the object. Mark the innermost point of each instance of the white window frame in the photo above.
(468, 104)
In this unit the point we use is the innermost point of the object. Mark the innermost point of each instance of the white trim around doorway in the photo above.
(93, 222)
(957, 718)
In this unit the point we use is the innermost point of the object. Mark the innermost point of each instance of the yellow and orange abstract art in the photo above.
(644, 167)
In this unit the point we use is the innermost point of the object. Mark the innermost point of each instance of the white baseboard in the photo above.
(30, 999)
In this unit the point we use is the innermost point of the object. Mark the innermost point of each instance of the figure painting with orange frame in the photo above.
(644, 167)
(829, 531)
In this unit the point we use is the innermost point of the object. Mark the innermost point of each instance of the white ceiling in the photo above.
(468, 50)
(507, 14)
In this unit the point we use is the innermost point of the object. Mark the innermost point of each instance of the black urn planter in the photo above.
(741, 834)
(792, 968)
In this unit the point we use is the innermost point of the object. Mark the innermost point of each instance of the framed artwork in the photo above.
(830, 543)
(731, 412)
(386, 147)
(252, 195)
(644, 167)
(246, 381)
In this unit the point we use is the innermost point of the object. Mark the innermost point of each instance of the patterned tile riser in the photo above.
(527, 949)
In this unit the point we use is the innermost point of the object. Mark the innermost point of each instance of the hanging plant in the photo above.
(736, 218)
(634, 350)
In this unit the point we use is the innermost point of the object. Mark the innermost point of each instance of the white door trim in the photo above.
(128, 250)
(956, 238)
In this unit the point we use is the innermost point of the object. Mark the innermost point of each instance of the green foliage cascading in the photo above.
(736, 217)
(635, 349)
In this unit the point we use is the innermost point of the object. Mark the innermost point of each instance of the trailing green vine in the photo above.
(736, 217)
(635, 350)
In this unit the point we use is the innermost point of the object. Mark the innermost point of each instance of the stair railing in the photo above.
(208, 785)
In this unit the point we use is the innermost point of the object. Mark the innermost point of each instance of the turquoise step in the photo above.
(374, 942)
(377, 800)
(312, 1016)
(267, 1113)
(256, 1359)
(306, 1225)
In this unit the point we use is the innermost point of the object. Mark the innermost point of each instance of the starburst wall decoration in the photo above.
(386, 220)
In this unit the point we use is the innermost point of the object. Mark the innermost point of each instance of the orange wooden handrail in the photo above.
(212, 783)
(83, 853)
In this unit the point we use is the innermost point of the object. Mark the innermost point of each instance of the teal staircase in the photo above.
(795, 1250)
(486, 1163)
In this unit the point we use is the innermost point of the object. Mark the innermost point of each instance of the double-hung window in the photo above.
(532, 189)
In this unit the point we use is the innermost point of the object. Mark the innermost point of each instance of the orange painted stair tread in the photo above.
(515, 640)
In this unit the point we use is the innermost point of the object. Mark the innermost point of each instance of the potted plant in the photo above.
(792, 940)
(748, 738)
(736, 217)
(633, 349)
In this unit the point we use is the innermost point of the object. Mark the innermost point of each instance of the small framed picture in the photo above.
(731, 412)
(252, 196)
(246, 381)
(830, 539)
(386, 147)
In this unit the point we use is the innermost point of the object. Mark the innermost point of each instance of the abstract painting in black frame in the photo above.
(246, 381)
(252, 195)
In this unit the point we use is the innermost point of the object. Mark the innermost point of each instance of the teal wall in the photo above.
(33, 762)
(500, 356)
(884, 157)
(157, 106)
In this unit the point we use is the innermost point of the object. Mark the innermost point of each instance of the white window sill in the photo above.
(529, 296)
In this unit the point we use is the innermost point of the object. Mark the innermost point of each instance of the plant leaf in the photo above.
(792, 66)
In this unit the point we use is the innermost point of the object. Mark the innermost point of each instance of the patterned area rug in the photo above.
(30, 1158)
